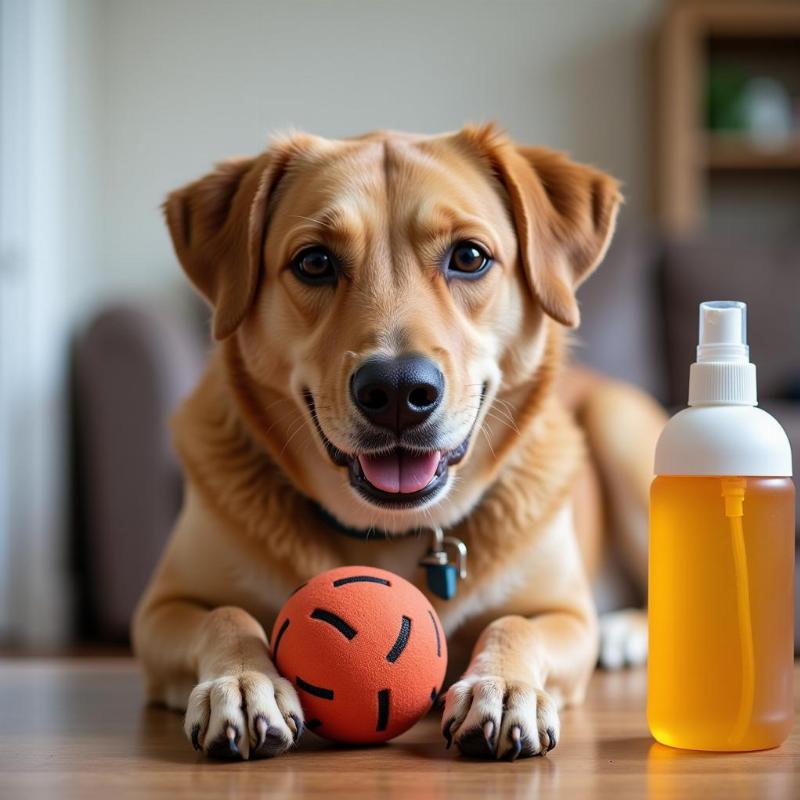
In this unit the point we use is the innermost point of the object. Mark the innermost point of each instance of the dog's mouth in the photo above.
(400, 478)
(403, 478)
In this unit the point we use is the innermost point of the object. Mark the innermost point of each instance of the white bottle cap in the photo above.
(722, 374)
(723, 434)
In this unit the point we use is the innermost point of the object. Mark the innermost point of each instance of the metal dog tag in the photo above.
(441, 573)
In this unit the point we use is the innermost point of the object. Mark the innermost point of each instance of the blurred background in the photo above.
(105, 105)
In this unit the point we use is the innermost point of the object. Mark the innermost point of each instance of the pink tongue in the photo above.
(400, 472)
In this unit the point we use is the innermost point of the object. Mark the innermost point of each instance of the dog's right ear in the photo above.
(217, 225)
(564, 214)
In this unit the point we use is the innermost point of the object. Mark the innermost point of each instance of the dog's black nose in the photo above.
(396, 393)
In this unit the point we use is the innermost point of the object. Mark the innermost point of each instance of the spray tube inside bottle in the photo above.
(733, 492)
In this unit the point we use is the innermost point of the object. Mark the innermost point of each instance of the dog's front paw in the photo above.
(489, 717)
(250, 715)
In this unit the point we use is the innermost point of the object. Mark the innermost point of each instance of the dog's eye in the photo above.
(315, 265)
(468, 258)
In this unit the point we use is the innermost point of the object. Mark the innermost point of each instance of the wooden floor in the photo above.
(76, 728)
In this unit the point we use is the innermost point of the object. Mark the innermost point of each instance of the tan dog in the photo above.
(391, 312)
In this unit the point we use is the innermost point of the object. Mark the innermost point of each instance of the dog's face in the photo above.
(390, 289)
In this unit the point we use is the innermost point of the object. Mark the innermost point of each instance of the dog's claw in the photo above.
(488, 733)
(446, 733)
(295, 726)
(261, 730)
(232, 735)
(553, 741)
(516, 743)
(196, 738)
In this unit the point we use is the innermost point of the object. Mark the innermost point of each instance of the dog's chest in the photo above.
(478, 594)
(400, 556)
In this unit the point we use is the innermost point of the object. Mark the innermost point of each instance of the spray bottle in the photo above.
(721, 557)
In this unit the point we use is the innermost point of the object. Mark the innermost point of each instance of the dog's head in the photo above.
(383, 294)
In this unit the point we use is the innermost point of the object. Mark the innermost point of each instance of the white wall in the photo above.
(47, 260)
(186, 82)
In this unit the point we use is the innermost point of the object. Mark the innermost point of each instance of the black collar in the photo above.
(363, 534)
(441, 574)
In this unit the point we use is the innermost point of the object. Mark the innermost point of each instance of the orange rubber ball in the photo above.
(364, 649)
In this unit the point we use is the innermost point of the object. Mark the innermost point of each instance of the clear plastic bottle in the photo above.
(721, 586)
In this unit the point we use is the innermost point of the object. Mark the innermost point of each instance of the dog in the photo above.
(392, 315)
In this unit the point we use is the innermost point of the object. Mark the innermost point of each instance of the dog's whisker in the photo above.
(512, 418)
(488, 440)
(510, 424)
(294, 433)
(504, 403)
(277, 402)
(292, 430)
(504, 411)
(497, 414)
(282, 419)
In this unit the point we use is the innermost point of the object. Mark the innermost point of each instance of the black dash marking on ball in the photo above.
(436, 631)
(326, 616)
(360, 579)
(401, 642)
(383, 709)
(313, 724)
(301, 586)
(278, 639)
(317, 691)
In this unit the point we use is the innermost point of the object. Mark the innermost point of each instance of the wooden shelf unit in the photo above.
(729, 151)
(687, 153)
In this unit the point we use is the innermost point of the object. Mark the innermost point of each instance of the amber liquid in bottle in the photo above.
(720, 666)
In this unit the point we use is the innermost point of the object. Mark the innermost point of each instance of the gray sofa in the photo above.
(133, 364)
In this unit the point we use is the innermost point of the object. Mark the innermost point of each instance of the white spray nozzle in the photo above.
(722, 374)
(723, 332)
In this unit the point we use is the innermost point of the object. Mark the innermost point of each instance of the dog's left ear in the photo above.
(564, 214)
(217, 225)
